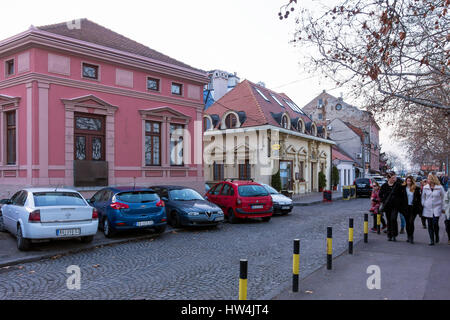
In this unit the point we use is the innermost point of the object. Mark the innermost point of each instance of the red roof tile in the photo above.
(338, 154)
(245, 97)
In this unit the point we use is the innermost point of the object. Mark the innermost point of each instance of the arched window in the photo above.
(300, 126)
(314, 130)
(207, 125)
(230, 121)
(285, 122)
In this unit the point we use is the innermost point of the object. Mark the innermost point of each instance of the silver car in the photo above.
(281, 204)
(44, 214)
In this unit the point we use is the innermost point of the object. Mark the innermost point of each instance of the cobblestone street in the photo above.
(197, 263)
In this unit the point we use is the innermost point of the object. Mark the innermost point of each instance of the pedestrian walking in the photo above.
(447, 213)
(391, 199)
(375, 205)
(412, 205)
(422, 218)
(432, 201)
(445, 182)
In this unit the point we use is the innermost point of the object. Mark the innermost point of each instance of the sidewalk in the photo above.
(312, 198)
(408, 271)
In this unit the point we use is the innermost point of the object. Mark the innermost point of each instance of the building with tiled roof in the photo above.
(345, 165)
(253, 132)
(83, 106)
(325, 108)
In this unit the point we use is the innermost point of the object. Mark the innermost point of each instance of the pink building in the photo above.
(82, 106)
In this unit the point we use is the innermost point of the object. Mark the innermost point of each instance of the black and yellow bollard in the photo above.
(350, 236)
(329, 247)
(243, 280)
(378, 223)
(295, 265)
(366, 227)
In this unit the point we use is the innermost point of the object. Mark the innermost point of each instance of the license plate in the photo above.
(68, 232)
(259, 206)
(361, 185)
(285, 207)
(144, 223)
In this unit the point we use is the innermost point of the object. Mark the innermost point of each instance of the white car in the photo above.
(281, 203)
(44, 214)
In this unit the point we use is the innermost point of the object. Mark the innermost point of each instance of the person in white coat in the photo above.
(447, 213)
(432, 201)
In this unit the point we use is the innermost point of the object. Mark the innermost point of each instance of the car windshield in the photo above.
(137, 196)
(184, 195)
(270, 189)
(252, 190)
(53, 199)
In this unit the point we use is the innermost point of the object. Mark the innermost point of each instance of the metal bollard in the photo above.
(243, 280)
(366, 227)
(350, 236)
(378, 223)
(295, 265)
(329, 248)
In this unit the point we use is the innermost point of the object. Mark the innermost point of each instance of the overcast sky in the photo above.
(243, 36)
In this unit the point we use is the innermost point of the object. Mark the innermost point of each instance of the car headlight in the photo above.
(219, 212)
(193, 213)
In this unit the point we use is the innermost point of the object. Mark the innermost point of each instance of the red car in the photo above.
(241, 199)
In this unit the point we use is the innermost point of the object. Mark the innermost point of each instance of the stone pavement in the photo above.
(408, 271)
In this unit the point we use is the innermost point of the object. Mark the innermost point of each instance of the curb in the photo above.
(92, 246)
(305, 204)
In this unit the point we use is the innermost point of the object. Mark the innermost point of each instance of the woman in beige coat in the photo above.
(432, 201)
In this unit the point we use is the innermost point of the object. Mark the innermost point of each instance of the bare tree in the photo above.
(389, 51)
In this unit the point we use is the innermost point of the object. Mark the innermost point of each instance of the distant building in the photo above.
(220, 82)
(325, 108)
(345, 165)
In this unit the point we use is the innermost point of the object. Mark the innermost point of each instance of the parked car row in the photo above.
(48, 213)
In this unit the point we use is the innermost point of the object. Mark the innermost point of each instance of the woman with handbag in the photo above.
(413, 206)
(391, 201)
(432, 201)
(375, 202)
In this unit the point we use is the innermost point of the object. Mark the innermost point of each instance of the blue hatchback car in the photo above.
(125, 208)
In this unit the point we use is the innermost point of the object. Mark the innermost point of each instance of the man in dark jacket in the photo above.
(392, 197)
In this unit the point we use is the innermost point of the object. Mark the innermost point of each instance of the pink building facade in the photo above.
(81, 114)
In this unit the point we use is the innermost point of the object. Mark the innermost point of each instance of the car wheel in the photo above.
(231, 217)
(22, 243)
(107, 230)
(87, 239)
(160, 229)
(175, 219)
(266, 219)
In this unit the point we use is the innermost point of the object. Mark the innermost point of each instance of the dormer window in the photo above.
(300, 126)
(262, 94)
(207, 124)
(314, 130)
(285, 122)
(230, 121)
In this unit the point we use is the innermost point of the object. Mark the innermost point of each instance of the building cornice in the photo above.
(38, 38)
(267, 127)
(29, 77)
